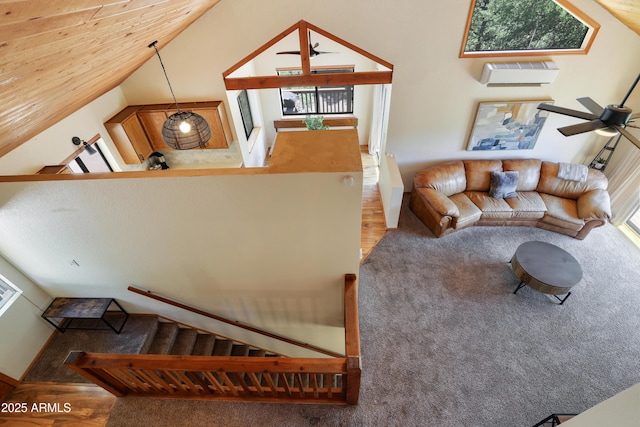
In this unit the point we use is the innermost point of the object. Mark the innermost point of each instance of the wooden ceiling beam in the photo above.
(307, 79)
(350, 46)
(261, 49)
(333, 79)
(305, 60)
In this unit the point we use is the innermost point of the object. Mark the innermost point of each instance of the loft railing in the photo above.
(276, 379)
(215, 377)
(323, 100)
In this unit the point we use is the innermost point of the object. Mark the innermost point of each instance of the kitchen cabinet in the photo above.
(214, 113)
(129, 136)
(137, 130)
(152, 119)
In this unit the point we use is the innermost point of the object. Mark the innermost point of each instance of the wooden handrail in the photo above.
(332, 122)
(237, 323)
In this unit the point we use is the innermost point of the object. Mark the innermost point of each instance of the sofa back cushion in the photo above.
(478, 173)
(528, 172)
(550, 183)
(448, 178)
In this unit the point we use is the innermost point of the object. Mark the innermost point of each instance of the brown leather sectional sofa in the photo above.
(455, 195)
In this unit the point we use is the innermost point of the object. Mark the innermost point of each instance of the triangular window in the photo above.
(526, 27)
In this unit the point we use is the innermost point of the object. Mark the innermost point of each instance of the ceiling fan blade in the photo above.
(629, 136)
(289, 52)
(582, 127)
(318, 52)
(567, 111)
(591, 105)
(634, 116)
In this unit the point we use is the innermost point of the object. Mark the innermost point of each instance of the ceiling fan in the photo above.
(312, 50)
(612, 116)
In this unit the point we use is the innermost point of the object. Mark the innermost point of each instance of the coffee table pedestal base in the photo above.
(562, 300)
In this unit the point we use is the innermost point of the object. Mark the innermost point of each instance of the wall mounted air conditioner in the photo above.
(519, 73)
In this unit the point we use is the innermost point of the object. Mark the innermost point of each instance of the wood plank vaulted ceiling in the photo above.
(56, 56)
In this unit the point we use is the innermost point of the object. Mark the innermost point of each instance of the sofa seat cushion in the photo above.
(527, 205)
(491, 207)
(469, 213)
(561, 212)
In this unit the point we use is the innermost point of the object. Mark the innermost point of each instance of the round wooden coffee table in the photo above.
(546, 268)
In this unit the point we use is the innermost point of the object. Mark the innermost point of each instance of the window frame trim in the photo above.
(589, 38)
(13, 298)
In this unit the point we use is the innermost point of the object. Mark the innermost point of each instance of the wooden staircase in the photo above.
(181, 362)
(170, 338)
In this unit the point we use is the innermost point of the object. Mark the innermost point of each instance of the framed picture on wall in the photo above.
(507, 125)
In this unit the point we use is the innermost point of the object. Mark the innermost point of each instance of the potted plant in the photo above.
(315, 123)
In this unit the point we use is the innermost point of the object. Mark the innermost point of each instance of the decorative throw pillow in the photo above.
(503, 184)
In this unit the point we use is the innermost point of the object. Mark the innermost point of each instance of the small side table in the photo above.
(86, 313)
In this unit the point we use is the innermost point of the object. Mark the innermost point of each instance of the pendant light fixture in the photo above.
(183, 130)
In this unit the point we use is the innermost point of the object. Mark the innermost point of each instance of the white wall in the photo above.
(266, 249)
(22, 331)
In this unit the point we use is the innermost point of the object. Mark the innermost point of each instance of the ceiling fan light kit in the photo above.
(608, 132)
(612, 117)
(183, 130)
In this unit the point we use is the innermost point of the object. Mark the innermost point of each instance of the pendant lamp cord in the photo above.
(153, 45)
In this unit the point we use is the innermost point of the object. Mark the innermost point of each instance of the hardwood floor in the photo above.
(374, 225)
(57, 405)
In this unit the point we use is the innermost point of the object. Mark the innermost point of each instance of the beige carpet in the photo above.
(446, 343)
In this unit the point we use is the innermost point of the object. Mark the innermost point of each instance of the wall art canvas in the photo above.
(509, 125)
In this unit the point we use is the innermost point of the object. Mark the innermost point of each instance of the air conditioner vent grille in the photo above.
(533, 72)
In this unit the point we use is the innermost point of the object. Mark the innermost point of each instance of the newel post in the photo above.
(77, 359)
(352, 339)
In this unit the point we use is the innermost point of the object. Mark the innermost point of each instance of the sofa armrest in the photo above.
(439, 202)
(594, 204)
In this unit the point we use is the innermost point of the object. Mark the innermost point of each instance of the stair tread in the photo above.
(153, 329)
(164, 338)
(184, 342)
(222, 347)
(204, 345)
(239, 350)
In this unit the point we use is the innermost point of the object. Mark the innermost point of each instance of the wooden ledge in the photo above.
(331, 122)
